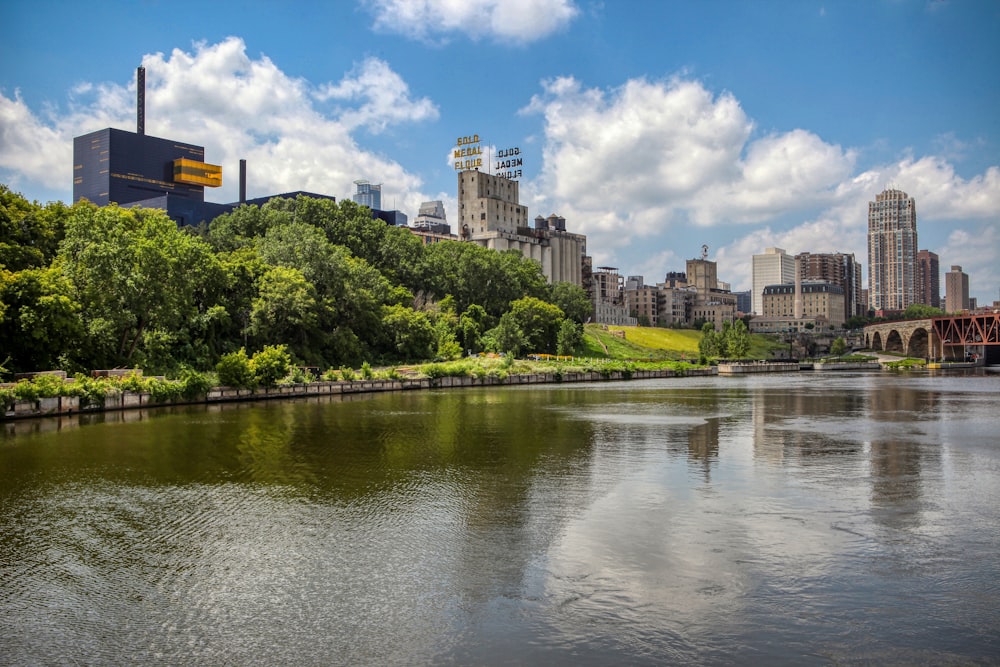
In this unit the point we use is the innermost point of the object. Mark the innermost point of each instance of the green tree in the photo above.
(239, 228)
(919, 311)
(539, 322)
(737, 340)
(285, 310)
(473, 323)
(39, 319)
(570, 337)
(506, 337)
(572, 300)
(711, 343)
(839, 346)
(29, 233)
(413, 335)
(138, 279)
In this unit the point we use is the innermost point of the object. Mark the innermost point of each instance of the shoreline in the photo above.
(69, 406)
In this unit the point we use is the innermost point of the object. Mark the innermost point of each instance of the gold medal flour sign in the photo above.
(468, 154)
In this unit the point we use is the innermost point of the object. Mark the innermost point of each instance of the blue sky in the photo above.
(652, 127)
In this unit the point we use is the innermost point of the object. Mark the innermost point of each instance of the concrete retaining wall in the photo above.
(763, 367)
(127, 400)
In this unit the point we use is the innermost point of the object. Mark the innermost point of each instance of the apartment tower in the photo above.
(956, 296)
(839, 269)
(892, 251)
(928, 279)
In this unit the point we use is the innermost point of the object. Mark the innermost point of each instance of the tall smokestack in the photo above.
(243, 181)
(140, 106)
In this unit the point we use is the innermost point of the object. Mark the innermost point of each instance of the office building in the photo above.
(774, 267)
(928, 279)
(956, 285)
(839, 269)
(368, 194)
(892, 251)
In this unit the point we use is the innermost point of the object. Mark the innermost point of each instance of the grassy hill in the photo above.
(653, 343)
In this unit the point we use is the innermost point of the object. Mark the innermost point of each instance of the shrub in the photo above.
(6, 398)
(234, 370)
(163, 391)
(91, 391)
(270, 364)
(48, 386)
(366, 371)
(25, 391)
(134, 382)
(193, 384)
(331, 375)
(347, 373)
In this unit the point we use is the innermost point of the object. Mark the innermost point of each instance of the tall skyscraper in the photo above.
(956, 284)
(892, 250)
(928, 279)
(839, 269)
(368, 194)
(774, 267)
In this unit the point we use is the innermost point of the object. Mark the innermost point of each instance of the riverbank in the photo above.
(132, 400)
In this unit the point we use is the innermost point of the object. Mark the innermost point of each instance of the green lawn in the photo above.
(656, 343)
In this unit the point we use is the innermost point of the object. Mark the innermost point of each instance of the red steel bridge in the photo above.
(950, 337)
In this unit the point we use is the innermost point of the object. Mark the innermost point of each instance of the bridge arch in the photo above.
(894, 342)
(919, 344)
(876, 342)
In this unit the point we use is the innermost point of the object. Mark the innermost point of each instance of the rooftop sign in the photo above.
(468, 154)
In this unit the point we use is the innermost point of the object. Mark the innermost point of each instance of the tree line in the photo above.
(85, 287)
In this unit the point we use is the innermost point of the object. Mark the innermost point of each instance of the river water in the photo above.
(782, 519)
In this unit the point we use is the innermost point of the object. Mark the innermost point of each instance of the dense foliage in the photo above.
(85, 287)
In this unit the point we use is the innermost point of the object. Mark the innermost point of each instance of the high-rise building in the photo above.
(956, 285)
(839, 269)
(368, 194)
(774, 267)
(928, 279)
(892, 250)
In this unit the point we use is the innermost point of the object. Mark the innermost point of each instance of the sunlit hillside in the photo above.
(618, 342)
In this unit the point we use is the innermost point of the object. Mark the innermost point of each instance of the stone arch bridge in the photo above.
(949, 337)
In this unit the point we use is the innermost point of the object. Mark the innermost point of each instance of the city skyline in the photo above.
(651, 128)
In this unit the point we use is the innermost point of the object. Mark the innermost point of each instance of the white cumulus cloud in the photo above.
(237, 106)
(515, 21)
(648, 163)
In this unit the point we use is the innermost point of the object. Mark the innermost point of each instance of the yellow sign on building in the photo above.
(193, 172)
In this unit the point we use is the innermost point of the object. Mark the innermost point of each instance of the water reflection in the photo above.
(705, 521)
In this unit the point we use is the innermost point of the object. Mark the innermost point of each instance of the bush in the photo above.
(366, 371)
(234, 370)
(347, 373)
(331, 375)
(6, 398)
(271, 364)
(25, 391)
(194, 384)
(163, 391)
(91, 391)
(48, 386)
